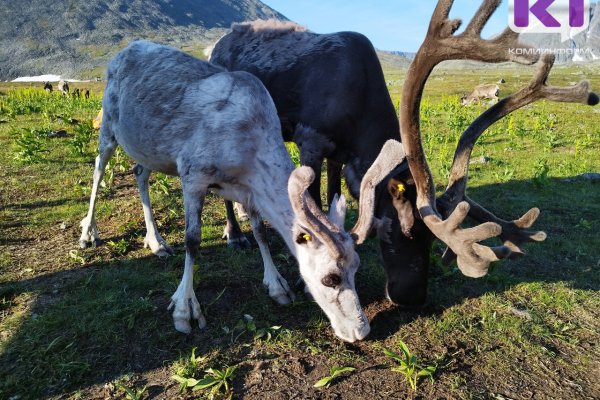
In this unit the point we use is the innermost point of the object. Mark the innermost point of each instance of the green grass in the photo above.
(93, 323)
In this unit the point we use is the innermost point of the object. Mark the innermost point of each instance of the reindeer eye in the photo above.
(331, 280)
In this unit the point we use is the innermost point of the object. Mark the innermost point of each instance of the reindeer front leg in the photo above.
(89, 230)
(314, 147)
(279, 289)
(184, 302)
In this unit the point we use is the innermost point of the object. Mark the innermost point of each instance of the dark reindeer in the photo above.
(339, 76)
(332, 101)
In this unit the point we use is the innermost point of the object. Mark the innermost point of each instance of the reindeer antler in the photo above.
(440, 44)
(514, 233)
(390, 156)
(309, 214)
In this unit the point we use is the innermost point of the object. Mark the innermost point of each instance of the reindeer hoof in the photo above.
(284, 299)
(183, 327)
(163, 251)
(159, 247)
(184, 310)
(84, 244)
(239, 243)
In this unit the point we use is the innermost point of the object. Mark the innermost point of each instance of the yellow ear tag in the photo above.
(307, 237)
(401, 188)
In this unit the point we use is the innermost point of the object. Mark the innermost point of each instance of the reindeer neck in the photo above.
(271, 194)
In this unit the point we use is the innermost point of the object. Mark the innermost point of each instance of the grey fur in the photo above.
(215, 129)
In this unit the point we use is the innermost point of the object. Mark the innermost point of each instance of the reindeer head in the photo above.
(406, 254)
(326, 251)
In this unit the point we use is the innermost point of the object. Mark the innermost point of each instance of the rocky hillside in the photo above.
(584, 47)
(76, 38)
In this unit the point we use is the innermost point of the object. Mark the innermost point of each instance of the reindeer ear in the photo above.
(337, 211)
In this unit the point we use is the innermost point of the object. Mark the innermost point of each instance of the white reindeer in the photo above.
(219, 130)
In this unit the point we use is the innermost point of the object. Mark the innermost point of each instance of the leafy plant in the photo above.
(30, 146)
(334, 372)
(409, 366)
(118, 248)
(506, 175)
(77, 257)
(78, 145)
(196, 361)
(132, 393)
(188, 367)
(584, 224)
(540, 176)
(162, 184)
(247, 325)
(117, 162)
(218, 381)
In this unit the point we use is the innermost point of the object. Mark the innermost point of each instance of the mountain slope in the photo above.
(75, 38)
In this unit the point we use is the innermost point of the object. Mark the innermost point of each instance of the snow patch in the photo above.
(44, 78)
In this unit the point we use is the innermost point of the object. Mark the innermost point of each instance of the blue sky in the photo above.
(389, 24)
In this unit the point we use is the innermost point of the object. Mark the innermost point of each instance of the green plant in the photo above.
(540, 175)
(409, 366)
(584, 224)
(30, 146)
(119, 162)
(118, 248)
(218, 381)
(161, 184)
(247, 325)
(188, 367)
(293, 152)
(196, 361)
(506, 175)
(78, 145)
(334, 372)
(132, 393)
(77, 257)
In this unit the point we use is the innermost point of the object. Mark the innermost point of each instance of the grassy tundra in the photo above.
(93, 323)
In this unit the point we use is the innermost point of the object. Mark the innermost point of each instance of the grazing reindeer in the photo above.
(63, 87)
(333, 102)
(481, 92)
(304, 71)
(219, 130)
